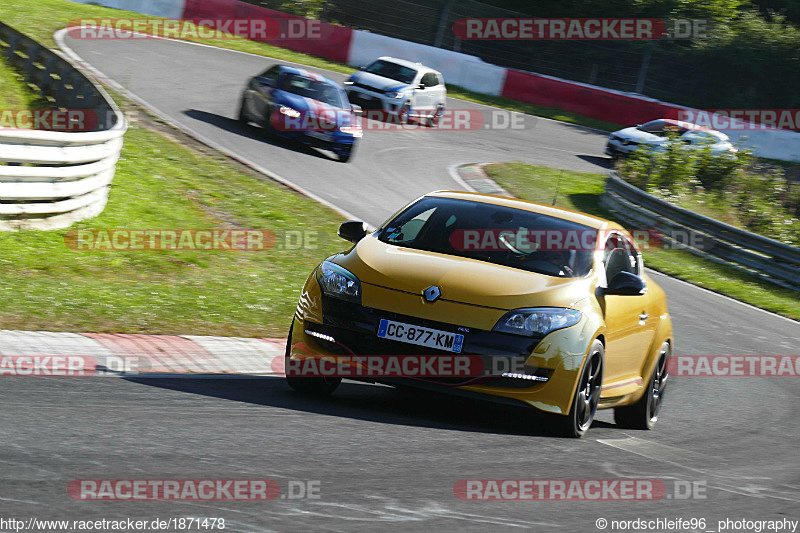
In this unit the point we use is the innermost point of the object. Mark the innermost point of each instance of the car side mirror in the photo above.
(356, 109)
(362, 68)
(421, 86)
(353, 230)
(626, 284)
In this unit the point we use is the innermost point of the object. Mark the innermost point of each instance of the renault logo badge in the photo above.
(432, 293)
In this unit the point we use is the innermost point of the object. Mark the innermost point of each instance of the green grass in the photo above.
(52, 15)
(581, 191)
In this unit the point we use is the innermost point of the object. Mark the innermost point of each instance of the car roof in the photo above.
(525, 205)
(308, 74)
(409, 64)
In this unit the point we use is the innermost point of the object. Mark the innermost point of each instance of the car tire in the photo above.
(587, 395)
(344, 157)
(243, 112)
(269, 129)
(321, 386)
(404, 115)
(434, 119)
(644, 413)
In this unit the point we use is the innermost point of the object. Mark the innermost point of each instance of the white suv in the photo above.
(400, 88)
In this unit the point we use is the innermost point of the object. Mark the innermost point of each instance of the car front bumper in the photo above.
(350, 329)
(370, 100)
(616, 148)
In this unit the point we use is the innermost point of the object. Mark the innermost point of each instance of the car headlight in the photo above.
(394, 94)
(338, 282)
(355, 131)
(289, 112)
(537, 321)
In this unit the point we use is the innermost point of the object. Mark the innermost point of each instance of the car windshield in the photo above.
(661, 128)
(316, 90)
(393, 71)
(496, 234)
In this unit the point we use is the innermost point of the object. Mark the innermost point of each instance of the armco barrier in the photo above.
(773, 259)
(51, 179)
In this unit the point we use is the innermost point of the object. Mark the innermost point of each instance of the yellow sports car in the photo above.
(533, 305)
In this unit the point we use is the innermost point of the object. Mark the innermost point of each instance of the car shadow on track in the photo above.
(250, 131)
(375, 403)
(604, 162)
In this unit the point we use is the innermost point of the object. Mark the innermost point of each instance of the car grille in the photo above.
(372, 103)
(368, 87)
(350, 329)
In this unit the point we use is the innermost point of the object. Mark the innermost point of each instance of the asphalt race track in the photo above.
(387, 458)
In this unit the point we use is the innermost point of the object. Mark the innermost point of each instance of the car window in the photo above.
(393, 71)
(620, 255)
(496, 234)
(429, 80)
(654, 126)
(700, 137)
(662, 128)
(408, 231)
(316, 90)
(271, 73)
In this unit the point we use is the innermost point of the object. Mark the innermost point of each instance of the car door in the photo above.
(262, 87)
(439, 92)
(630, 328)
(426, 94)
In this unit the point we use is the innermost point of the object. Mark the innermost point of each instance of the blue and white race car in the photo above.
(294, 103)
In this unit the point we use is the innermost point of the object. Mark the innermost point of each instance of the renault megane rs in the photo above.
(554, 304)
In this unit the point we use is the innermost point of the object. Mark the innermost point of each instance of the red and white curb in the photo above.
(141, 354)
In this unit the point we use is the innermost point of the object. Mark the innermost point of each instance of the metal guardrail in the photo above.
(774, 260)
(52, 179)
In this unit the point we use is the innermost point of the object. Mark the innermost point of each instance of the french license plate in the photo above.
(421, 336)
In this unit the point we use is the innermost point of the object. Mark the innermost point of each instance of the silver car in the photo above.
(398, 89)
(655, 135)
